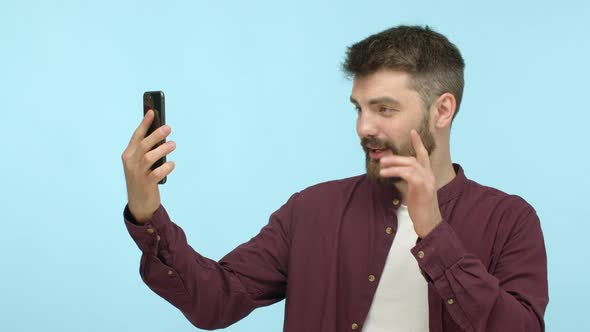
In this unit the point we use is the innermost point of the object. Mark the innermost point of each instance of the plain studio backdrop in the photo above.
(259, 109)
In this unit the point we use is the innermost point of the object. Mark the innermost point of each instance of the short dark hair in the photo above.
(434, 63)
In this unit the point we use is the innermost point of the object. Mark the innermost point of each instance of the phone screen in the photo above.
(154, 100)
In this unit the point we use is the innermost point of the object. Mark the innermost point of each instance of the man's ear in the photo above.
(444, 110)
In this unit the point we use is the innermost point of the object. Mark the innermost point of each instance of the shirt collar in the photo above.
(454, 188)
(391, 197)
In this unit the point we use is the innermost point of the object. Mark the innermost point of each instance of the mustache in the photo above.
(377, 143)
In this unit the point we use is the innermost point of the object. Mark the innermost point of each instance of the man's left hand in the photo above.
(421, 197)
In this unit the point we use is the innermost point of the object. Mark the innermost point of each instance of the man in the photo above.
(413, 245)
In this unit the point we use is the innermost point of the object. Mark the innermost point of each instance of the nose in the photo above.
(366, 125)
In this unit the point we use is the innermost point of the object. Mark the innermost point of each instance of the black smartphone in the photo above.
(154, 100)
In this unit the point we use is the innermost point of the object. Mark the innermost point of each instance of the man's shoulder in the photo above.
(333, 188)
(337, 184)
(483, 194)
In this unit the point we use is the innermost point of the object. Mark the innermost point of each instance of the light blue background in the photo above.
(259, 110)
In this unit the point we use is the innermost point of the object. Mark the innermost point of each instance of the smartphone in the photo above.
(154, 100)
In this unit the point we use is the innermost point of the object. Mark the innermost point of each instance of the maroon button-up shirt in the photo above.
(485, 263)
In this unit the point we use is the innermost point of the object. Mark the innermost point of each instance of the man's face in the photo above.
(388, 109)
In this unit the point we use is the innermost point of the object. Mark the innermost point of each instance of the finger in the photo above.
(154, 138)
(143, 127)
(397, 160)
(421, 153)
(407, 173)
(161, 172)
(154, 155)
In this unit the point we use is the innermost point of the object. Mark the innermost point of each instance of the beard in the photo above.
(407, 149)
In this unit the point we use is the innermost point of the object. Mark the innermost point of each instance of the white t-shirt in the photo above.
(401, 300)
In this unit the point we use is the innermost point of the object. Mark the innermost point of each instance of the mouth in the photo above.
(376, 152)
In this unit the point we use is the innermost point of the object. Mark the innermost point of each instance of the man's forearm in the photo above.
(513, 298)
(209, 296)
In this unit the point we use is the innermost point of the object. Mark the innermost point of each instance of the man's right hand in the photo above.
(142, 182)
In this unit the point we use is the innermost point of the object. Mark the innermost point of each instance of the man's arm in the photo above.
(512, 297)
(213, 294)
(210, 294)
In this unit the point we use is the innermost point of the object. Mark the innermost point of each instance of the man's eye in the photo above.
(383, 109)
(357, 109)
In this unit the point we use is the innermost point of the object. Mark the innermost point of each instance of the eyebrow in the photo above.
(380, 100)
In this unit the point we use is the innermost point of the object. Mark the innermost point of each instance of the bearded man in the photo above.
(412, 245)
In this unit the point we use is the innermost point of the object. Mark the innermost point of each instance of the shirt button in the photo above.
(371, 278)
(150, 230)
(355, 326)
(395, 201)
(389, 230)
(158, 237)
(170, 272)
(450, 301)
(420, 254)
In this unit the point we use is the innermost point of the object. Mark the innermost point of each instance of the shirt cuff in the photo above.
(438, 251)
(147, 236)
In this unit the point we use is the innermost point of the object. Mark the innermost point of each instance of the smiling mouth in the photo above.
(376, 154)
(374, 149)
